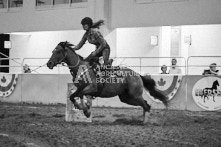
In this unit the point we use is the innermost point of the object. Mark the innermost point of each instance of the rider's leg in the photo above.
(107, 62)
(106, 55)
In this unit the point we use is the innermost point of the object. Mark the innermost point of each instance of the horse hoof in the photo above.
(87, 113)
(145, 122)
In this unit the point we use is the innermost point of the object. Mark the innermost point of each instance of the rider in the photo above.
(93, 36)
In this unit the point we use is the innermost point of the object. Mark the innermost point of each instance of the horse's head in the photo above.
(216, 82)
(59, 54)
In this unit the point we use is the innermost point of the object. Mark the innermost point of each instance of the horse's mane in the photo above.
(69, 45)
(66, 43)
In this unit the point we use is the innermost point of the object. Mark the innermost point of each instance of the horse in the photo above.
(129, 86)
(210, 91)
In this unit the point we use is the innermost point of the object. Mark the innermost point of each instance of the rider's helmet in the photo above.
(88, 21)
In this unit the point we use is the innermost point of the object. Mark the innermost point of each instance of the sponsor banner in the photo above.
(207, 93)
(167, 84)
(7, 84)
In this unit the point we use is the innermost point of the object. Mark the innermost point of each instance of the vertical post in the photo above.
(8, 5)
(69, 105)
(140, 65)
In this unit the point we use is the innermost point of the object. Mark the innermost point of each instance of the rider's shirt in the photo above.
(93, 36)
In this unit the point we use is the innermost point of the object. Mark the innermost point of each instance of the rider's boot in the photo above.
(109, 68)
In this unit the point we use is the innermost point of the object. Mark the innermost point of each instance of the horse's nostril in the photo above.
(50, 65)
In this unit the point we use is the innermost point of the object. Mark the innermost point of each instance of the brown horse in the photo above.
(126, 84)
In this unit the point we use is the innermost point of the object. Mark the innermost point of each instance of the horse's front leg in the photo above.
(89, 101)
(82, 105)
(73, 96)
(87, 106)
(89, 91)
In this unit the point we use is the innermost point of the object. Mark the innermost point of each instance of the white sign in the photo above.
(154, 40)
(187, 39)
(7, 44)
(207, 93)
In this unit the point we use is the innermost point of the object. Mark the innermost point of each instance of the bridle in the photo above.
(64, 58)
(65, 55)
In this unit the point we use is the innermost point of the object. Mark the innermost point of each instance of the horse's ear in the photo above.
(65, 45)
(71, 45)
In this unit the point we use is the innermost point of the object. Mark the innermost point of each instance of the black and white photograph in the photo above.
(110, 73)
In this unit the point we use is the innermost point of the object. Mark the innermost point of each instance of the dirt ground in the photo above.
(25, 125)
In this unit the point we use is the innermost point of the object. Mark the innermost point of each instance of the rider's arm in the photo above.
(81, 43)
(100, 40)
(215, 72)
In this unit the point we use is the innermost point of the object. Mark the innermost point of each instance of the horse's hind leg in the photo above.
(137, 101)
(146, 109)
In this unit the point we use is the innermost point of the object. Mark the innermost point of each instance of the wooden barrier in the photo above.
(72, 114)
(190, 91)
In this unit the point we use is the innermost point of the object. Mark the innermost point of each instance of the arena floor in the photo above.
(45, 126)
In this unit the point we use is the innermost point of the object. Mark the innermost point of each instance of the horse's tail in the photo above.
(150, 85)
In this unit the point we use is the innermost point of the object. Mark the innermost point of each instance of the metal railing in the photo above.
(15, 65)
(150, 65)
(197, 64)
(142, 65)
(139, 64)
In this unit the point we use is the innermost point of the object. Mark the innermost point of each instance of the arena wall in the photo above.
(118, 13)
(204, 42)
(52, 89)
(30, 18)
(138, 13)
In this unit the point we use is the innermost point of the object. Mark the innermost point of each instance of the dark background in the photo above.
(4, 37)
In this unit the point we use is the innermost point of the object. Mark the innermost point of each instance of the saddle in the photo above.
(99, 68)
(103, 71)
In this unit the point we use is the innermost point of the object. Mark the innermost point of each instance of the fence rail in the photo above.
(143, 65)
(197, 64)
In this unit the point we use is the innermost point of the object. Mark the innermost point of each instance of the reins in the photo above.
(65, 56)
